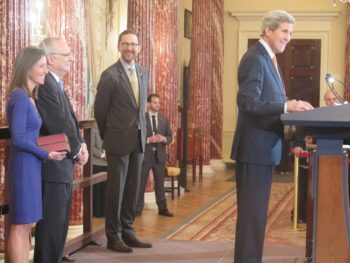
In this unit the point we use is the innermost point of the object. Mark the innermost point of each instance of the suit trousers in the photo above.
(51, 231)
(123, 185)
(253, 193)
(158, 173)
(99, 193)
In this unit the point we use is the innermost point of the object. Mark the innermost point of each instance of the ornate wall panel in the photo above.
(206, 64)
(156, 22)
(68, 19)
(14, 35)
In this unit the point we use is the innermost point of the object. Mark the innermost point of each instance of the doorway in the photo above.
(300, 66)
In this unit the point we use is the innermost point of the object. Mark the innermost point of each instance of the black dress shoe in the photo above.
(119, 246)
(137, 243)
(67, 258)
(165, 212)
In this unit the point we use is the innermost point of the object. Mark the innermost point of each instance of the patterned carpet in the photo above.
(218, 221)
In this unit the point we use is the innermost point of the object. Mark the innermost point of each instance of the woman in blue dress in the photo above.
(25, 159)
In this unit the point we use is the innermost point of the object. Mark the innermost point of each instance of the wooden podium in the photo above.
(331, 224)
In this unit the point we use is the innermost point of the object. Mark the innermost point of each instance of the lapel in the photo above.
(61, 93)
(160, 124)
(127, 84)
(140, 79)
(63, 97)
(273, 70)
(148, 124)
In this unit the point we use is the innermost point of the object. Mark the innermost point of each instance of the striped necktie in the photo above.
(274, 60)
(134, 84)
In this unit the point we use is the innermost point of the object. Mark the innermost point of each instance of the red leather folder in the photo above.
(56, 142)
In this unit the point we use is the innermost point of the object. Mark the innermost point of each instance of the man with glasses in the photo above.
(120, 114)
(58, 117)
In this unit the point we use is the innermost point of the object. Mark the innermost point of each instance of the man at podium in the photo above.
(257, 144)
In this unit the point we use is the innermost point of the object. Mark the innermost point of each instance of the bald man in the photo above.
(330, 99)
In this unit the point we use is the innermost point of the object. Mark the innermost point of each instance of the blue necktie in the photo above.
(60, 85)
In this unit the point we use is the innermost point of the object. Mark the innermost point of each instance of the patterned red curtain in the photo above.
(14, 35)
(156, 22)
(217, 73)
(347, 58)
(206, 64)
(68, 19)
(141, 19)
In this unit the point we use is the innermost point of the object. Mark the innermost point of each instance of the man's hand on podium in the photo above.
(298, 105)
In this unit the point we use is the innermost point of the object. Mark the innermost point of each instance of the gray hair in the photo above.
(273, 19)
(48, 44)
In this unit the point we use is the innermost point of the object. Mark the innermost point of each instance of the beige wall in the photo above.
(333, 45)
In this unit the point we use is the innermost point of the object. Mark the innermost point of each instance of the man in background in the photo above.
(158, 136)
(330, 99)
(58, 117)
(120, 114)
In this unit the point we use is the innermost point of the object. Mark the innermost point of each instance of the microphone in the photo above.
(330, 80)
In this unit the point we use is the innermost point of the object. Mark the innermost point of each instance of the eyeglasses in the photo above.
(62, 54)
(127, 44)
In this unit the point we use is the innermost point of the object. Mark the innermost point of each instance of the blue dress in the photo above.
(25, 198)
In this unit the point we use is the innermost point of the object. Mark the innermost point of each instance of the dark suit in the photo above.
(257, 148)
(155, 158)
(122, 127)
(57, 176)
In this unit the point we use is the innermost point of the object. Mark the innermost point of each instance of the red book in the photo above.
(54, 143)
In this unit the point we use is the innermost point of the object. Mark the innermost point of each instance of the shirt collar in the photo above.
(55, 76)
(267, 47)
(126, 65)
(151, 113)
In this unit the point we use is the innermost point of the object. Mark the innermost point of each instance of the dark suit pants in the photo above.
(99, 193)
(123, 185)
(302, 193)
(51, 231)
(158, 173)
(253, 192)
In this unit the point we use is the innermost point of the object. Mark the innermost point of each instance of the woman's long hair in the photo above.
(24, 62)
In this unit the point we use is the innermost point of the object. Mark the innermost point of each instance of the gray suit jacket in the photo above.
(162, 129)
(58, 117)
(116, 112)
(260, 102)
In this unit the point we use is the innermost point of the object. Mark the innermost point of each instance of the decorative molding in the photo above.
(309, 25)
(299, 15)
